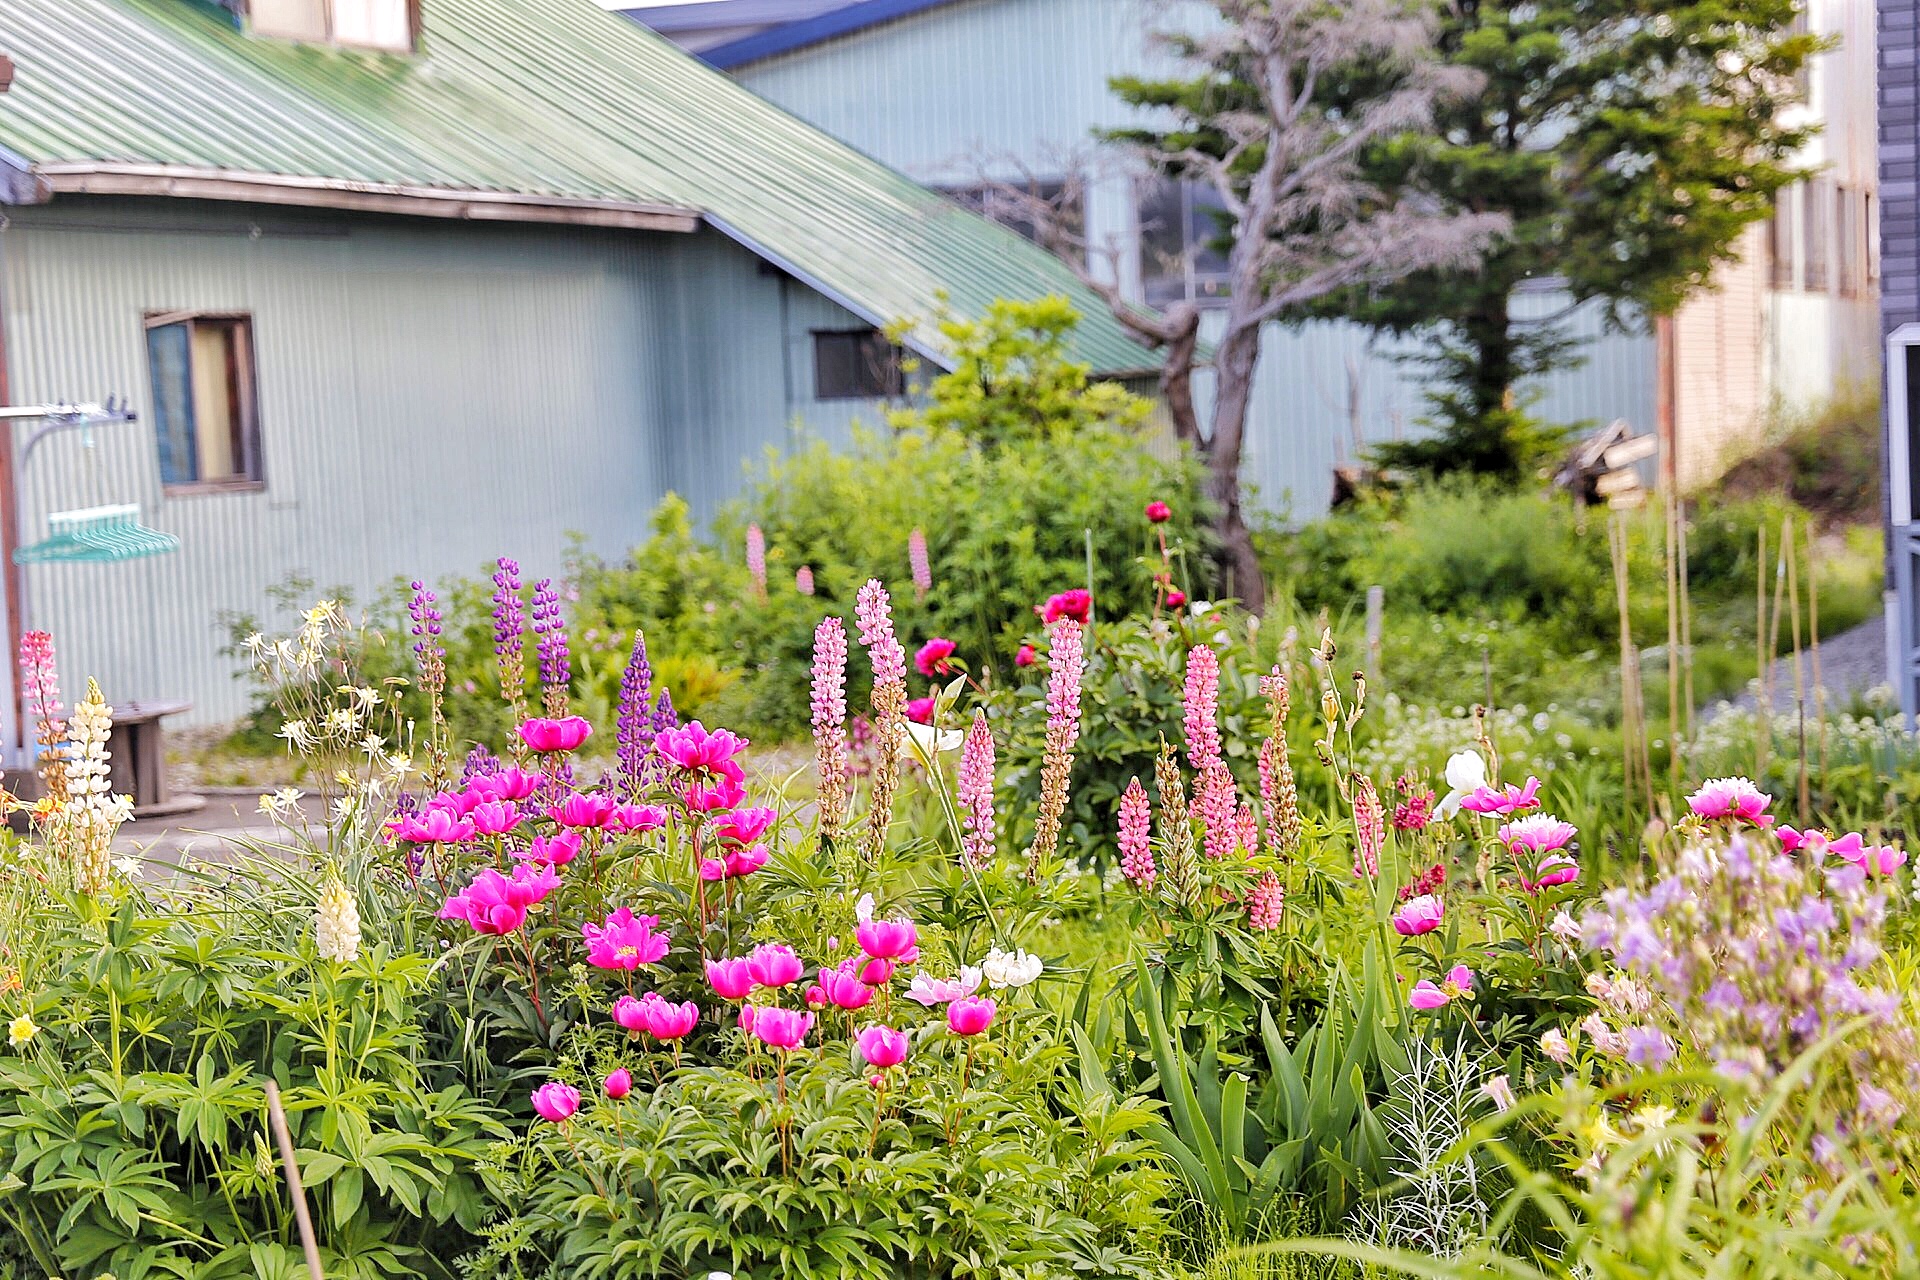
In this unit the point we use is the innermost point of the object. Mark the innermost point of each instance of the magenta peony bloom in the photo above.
(731, 979)
(555, 735)
(556, 850)
(633, 819)
(628, 1013)
(1540, 833)
(1818, 843)
(920, 710)
(1427, 996)
(494, 817)
(1735, 799)
(886, 939)
(556, 1102)
(744, 826)
(697, 750)
(618, 1084)
(1175, 597)
(1503, 803)
(774, 964)
(843, 989)
(882, 1047)
(712, 796)
(780, 1028)
(584, 810)
(936, 991)
(1876, 859)
(877, 973)
(1076, 604)
(1159, 512)
(932, 660)
(970, 1015)
(816, 997)
(625, 941)
(1420, 915)
(1554, 869)
(1025, 656)
(438, 826)
(664, 1020)
(497, 905)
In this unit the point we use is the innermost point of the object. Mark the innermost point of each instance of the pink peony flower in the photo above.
(664, 1020)
(816, 997)
(625, 941)
(1420, 915)
(618, 1084)
(630, 1014)
(1025, 656)
(1159, 512)
(886, 939)
(744, 826)
(936, 991)
(556, 1102)
(1175, 598)
(1076, 604)
(877, 973)
(934, 656)
(843, 989)
(1509, 800)
(970, 1015)
(1818, 843)
(1457, 984)
(1554, 869)
(774, 965)
(555, 735)
(494, 817)
(1540, 833)
(438, 826)
(556, 850)
(736, 863)
(882, 1047)
(495, 904)
(584, 810)
(509, 784)
(1735, 799)
(780, 1028)
(695, 749)
(920, 710)
(713, 795)
(731, 979)
(1877, 859)
(633, 819)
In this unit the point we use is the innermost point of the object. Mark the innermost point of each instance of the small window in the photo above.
(1013, 206)
(856, 364)
(1783, 239)
(1180, 225)
(1871, 237)
(1819, 234)
(367, 24)
(204, 405)
(1851, 254)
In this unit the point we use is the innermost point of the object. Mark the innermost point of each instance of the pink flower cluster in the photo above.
(1733, 800)
(1200, 705)
(1136, 847)
(1076, 604)
(1502, 802)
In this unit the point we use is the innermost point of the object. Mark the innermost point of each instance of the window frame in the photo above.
(411, 9)
(1783, 233)
(1206, 286)
(895, 383)
(243, 389)
(1817, 237)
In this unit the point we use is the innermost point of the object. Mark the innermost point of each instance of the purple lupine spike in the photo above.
(633, 727)
(551, 646)
(509, 632)
(480, 763)
(664, 716)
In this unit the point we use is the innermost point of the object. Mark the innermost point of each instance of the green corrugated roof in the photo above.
(544, 98)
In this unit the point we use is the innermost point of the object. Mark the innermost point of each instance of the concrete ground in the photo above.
(231, 813)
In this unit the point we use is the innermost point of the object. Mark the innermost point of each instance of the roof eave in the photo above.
(830, 25)
(184, 182)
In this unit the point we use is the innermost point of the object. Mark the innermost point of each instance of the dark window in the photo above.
(1182, 227)
(1849, 224)
(204, 406)
(855, 364)
(1013, 205)
(1783, 239)
(1818, 241)
(366, 24)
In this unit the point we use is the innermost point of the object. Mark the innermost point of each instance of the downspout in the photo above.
(14, 747)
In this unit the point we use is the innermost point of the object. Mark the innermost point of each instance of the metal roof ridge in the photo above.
(185, 181)
(831, 25)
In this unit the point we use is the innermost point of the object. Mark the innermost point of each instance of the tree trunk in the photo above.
(1489, 331)
(1235, 360)
(1176, 373)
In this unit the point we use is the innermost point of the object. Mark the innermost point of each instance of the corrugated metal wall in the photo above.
(912, 94)
(431, 395)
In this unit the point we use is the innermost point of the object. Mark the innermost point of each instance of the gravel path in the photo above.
(1851, 663)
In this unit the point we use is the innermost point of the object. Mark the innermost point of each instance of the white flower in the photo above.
(1500, 1090)
(298, 733)
(127, 866)
(923, 742)
(336, 932)
(1564, 927)
(1014, 968)
(1466, 772)
(863, 909)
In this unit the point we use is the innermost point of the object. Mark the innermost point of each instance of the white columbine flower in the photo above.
(1466, 772)
(1014, 968)
(1500, 1090)
(923, 742)
(863, 909)
(336, 931)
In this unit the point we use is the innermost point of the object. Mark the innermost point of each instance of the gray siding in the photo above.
(1899, 75)
(431, 395)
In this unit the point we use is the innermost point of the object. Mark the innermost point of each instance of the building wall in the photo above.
(431, 395)
(910, 93)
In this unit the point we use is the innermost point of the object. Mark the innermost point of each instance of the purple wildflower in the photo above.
(633, 725)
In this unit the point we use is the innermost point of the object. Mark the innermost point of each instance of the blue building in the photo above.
(395, 286)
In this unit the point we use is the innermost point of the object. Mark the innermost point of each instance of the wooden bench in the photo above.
(138, 747)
